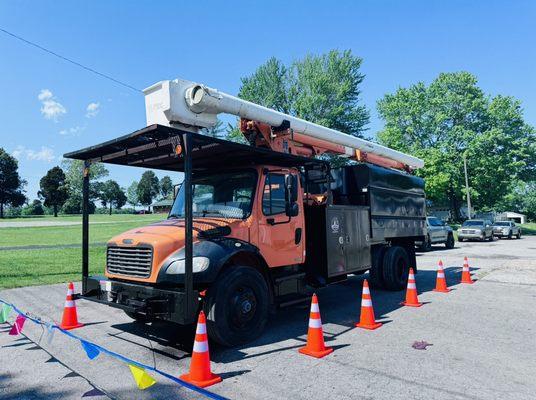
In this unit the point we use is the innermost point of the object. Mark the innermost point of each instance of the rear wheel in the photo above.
(236, 306)
(395, 268)
(449, 244)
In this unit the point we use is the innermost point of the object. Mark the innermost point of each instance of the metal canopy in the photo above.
(154, 147)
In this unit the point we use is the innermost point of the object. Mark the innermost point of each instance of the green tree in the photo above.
(74, 175)
(54, 189)
(35, 208)
(132, 194)
(112, 195)
(324, 89)
(11, 185)
(166, 187)
(450, 118)
(148, 188)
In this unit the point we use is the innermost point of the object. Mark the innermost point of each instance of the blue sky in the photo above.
(44, 101)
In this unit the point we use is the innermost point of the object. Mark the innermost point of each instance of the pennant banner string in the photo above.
(116, 355)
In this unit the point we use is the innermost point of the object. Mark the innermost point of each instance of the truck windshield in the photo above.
(225, 195)
(502, 223)
(473, 223)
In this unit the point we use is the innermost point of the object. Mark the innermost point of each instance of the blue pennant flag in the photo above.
(91, 350)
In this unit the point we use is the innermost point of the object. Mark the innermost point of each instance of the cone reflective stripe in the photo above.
(315, 346)
(441, 282)
(367, 319)
(70, 316)
(200, 374)
(466, 272)
(412, 299)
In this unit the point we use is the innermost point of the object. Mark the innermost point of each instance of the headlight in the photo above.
(199, 264)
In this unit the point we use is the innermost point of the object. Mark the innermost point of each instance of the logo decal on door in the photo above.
(335, 225)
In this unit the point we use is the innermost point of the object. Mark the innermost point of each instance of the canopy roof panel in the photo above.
(154, 147)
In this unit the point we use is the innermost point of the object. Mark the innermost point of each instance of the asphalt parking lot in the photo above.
(482, 338)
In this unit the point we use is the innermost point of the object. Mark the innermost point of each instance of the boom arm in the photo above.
(194, 106)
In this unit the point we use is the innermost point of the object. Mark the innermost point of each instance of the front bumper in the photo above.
(470, 235)
(150, 301)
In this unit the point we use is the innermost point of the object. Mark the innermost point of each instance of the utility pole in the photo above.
(467, 187)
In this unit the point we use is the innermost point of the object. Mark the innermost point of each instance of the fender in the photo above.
(217, 250)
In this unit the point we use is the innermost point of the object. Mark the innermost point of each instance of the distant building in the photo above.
(512, 216)
(162, 206)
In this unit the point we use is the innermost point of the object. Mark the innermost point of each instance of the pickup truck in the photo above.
(437, 232)
(506, 229)
(477, 229)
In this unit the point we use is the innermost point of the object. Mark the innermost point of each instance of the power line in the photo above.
(70, 61)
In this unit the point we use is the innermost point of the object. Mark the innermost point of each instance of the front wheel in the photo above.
(491, 237)
(449, 244)
(518, 236)
(426, 244)
(236, 306)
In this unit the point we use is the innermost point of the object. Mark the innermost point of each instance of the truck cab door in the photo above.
(281, 238)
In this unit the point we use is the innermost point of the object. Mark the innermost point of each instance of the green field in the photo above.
(529, 229)
(26, 266)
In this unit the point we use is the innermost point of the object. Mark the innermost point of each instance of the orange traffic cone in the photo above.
(411, 293)
(70, 316)
(466, 273)
(366, 319)
(315, 336)
(441, 283)
(200, 374)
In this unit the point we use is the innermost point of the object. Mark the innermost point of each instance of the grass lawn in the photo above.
(529, 229)
(71, 234)
(23, 267)
(92, 218)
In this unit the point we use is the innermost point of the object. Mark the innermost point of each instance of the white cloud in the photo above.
(45, 154)
(51, 108)
(92, 109)
(74, 131)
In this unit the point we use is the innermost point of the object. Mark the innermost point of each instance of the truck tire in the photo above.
(518, 236)
(395, 268)
(449, 244)
(376, 270)
(236, 306)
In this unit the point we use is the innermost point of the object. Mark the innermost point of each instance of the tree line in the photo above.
(61, 189)
(443, 122)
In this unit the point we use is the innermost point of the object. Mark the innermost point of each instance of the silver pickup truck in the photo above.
(477, 229)
(506, 229)
(437, 232)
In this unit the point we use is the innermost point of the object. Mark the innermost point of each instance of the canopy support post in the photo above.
(188, 209)
(85, 225)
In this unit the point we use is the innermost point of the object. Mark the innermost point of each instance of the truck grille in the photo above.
(468, 231)
(130, 261)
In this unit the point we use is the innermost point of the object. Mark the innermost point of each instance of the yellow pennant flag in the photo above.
(142, 378)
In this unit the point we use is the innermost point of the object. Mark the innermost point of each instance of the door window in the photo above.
(273, 197)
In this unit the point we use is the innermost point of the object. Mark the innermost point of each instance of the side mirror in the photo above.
(291, 196)
(291, 186)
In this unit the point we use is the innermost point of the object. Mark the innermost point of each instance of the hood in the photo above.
(168, 236)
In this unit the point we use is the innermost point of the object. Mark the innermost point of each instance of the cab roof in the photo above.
(154, 147)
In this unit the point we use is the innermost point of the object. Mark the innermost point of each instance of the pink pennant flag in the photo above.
(16, 329)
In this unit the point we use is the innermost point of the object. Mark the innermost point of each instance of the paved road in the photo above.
(482, 336)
